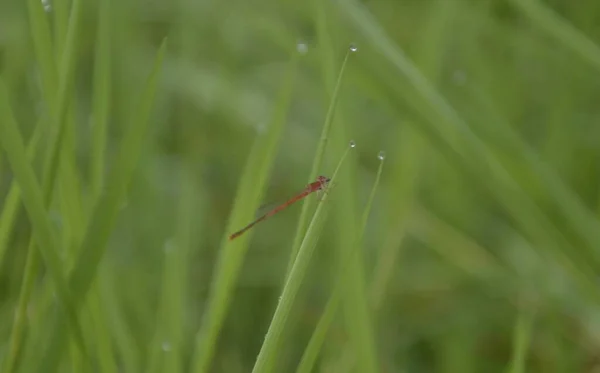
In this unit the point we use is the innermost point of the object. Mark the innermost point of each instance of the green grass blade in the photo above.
(402, 192)
(13, 198)
(552, 24)
(309, 203)
(357, 320)
(100, 116)
(101, 102)
(33, 200)
(101, 332)
(20, 320)
(367, 212)
(60, 20)
(177, 272)
(42, 42)
(106, 210)
(476, 158)
(269, 350)
(166, 349)
(119, 328)
(247, 200)
(320, 333)
(521, 341)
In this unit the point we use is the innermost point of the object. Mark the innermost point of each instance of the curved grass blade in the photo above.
(58, 106)
(20, 321)
(320, 333)
(42, 43)
(317, 162)
(248, 197)
(551, 23)
(521, 341)
(269, 350)
(33, 200)
(475, 158)
(101, 102)
(105, 212)
(13, 198)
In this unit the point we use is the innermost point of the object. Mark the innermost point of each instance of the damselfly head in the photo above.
(323, 180)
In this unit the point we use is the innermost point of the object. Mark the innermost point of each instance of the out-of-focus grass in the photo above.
(482, 248)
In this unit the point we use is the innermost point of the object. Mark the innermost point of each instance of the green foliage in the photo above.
(126, 164)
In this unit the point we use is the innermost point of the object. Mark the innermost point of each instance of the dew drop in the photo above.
(353, 48)
(302, 47)
(166, 346)
(46, 5)
(381, 155)
(352, 144)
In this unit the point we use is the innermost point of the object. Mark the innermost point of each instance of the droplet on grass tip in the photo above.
(353, 47)
(302, 47)
(381, 155)
(352, 144)
(46, 5)
(166, 346)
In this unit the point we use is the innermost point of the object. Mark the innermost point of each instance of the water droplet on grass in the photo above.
(381, 155)
(353, 48)
(166, 346)
(352, 144)
(47, 6)
(302, 47)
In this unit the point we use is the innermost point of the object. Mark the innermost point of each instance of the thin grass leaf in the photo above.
(13, 198)
(60, 19)
(166, 354)
(100, 115)
(551, 23)
(248, 196)
(42, 42)
(20, 320)
(521, 341)
(309, 203)
(119, 328)
(101, 332)
(106, 210)
(404, 181)
(269, 350)
(33, 200)
(177, 273)
(357, 321)
(317, 339)
(476, 159)
(57, 96)
(101, 101)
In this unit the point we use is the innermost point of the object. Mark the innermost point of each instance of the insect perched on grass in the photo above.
(315, 186)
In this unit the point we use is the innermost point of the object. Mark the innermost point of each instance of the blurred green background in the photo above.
(481, 249)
